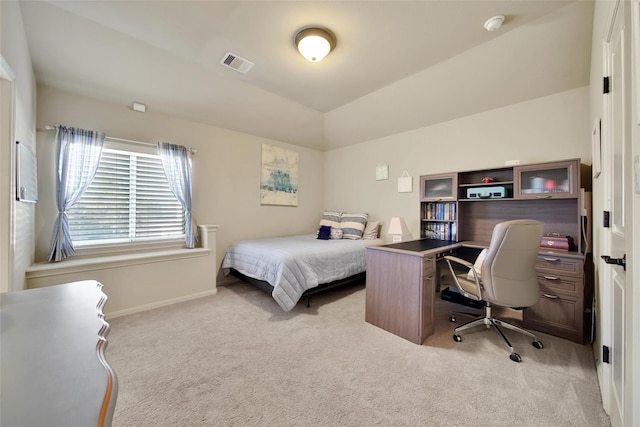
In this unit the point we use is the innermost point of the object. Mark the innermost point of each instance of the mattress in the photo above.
(293, 264)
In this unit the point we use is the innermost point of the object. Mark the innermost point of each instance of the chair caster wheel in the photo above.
(457, 338)
(537, 344)
(515, 357)
(452, 319)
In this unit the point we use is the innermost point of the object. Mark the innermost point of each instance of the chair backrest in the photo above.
(509, 268)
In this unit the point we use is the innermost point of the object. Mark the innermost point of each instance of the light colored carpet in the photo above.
(236, 359)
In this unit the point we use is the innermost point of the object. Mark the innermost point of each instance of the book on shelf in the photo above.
(441, 231)
(443, 211)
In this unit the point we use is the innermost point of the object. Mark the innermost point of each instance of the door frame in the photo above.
(633, 247)
(7, 173)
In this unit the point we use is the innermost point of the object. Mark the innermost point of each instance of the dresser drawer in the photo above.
(566, 285)
(552, 263)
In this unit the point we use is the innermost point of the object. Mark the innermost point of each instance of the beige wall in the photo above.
(415, 102)
(554, 127)
(18, 218)
(226, 169)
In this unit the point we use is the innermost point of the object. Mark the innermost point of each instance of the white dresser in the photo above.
(53, 369)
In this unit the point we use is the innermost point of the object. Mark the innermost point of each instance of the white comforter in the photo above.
(297, 263)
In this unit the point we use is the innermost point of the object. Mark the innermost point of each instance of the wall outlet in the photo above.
(512, 162)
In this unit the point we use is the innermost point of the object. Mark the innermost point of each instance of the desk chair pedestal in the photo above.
(488, 320)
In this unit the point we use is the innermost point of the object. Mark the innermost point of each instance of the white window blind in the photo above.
(128, 200)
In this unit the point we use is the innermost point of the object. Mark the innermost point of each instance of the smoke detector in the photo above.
(494, 23)
(234, 62)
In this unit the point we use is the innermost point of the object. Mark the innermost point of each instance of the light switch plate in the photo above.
(382, 172)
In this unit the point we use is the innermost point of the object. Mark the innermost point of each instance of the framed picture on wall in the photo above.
(279, 176)
(26, 174)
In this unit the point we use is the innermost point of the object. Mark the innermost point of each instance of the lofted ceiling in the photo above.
(397, 66)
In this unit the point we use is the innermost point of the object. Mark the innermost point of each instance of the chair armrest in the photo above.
(476, 292)
(459, 261)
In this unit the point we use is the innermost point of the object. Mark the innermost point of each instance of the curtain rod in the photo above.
(128, 141)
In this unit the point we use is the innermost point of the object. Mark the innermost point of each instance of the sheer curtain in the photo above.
(177, 167)
(77, 155)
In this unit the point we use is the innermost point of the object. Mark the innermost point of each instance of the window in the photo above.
(129, 200)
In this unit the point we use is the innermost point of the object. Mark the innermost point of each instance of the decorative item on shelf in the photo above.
(486, 193)
(487, 180)
(557, 242)
(537, 183)
(397, 228)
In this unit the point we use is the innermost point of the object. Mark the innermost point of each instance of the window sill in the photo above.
(97, 251)
(77, 265)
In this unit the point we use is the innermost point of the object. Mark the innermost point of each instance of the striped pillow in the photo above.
(352, 225)
(331, 218)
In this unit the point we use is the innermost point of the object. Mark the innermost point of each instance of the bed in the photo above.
(297, 266)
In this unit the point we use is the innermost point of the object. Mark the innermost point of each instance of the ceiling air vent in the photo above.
(236, 63)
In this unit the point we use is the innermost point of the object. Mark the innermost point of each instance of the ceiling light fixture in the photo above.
(314, 43)
(494, 23)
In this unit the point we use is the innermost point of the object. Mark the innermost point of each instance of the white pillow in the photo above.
(336, 233)
(477, 266)
(371, 230)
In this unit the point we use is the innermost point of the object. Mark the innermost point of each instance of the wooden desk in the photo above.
(401, 286)
(53, 371)
(401, 289)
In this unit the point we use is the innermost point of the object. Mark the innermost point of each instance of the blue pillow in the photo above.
(325, 232)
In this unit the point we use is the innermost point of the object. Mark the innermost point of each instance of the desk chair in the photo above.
(507, 276)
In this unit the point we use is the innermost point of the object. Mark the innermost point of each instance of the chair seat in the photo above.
(468, 288)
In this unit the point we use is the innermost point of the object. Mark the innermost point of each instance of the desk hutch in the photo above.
(465, 206)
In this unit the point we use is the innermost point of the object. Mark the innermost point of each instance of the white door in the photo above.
(612, 267)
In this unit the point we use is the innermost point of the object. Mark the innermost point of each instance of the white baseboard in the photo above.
(145, 307)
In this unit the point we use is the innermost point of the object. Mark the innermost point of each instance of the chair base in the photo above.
(488, 320)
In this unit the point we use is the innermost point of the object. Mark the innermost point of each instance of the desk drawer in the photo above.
(566, 285)
(556, 264)
(428, 265)
(557, 315)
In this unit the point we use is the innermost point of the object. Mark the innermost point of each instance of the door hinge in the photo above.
(605, 219)
(605, 85)
(605, 354)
